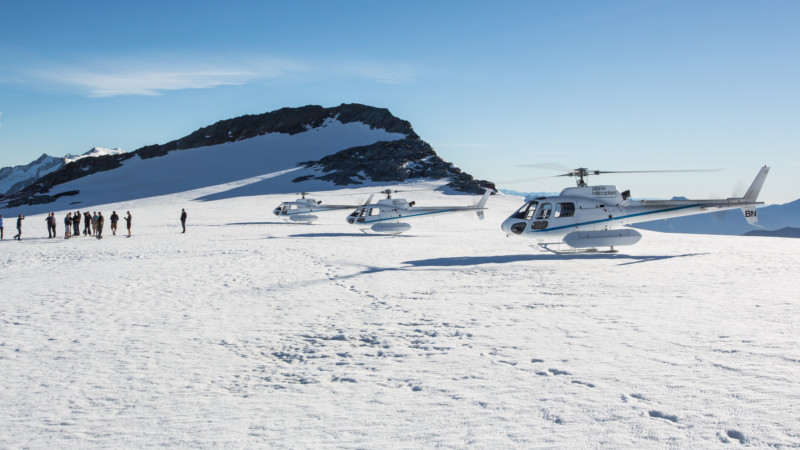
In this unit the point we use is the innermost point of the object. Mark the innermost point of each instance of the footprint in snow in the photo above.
(734, 434)
(661, 415)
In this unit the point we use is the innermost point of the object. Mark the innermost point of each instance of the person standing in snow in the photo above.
(114, 220)
(94, 223)
(1, 226)
(76, 223)
(128, 220)
(51, 225)
(100, 221)
(19, 227)
(183, 220)
(87, 223)
(67, 226)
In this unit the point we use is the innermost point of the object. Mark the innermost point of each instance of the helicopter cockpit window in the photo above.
(363, 212)
(526, 211)
(564, 210)
(374, 211)
(544, 211)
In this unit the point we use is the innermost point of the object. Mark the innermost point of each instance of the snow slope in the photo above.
(238, 162)
(251, 332)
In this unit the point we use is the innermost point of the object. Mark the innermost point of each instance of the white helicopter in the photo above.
(385, 216)
(301, 209)
(584, 217)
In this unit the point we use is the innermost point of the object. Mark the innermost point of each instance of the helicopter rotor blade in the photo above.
(599, 172)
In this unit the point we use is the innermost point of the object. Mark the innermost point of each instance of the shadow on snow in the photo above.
(458, 261)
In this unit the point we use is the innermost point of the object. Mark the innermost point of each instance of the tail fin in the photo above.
(369, 200)
(752, 194)
(482, 202)
(481, 205)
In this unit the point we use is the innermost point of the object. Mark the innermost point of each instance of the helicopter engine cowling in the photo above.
(602, 238)
(303, 218)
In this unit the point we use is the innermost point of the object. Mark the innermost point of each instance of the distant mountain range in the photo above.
(293, 149)
(16, 178)
(771, 219)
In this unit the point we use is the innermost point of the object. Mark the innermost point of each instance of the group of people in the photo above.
(92, 224)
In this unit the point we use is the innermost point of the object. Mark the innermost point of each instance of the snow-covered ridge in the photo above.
(16, 178)
(137, 176)
(93, 153)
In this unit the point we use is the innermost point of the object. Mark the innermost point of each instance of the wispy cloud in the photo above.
(144, 82)
(163, 73)
(388, 73)
(159, 75)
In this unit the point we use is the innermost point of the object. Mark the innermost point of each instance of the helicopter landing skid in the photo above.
(571, 251)
(371, 232)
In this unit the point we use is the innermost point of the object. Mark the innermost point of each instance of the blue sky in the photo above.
(609, 85)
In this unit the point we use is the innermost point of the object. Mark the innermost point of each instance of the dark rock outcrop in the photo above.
(392, 161)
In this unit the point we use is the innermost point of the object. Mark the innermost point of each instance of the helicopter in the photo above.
(300, 210)
(385, 216)
(585, 217)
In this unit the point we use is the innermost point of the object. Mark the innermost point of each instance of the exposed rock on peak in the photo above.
(393, 161)
(284, 120)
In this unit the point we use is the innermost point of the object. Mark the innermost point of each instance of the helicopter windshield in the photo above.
(526, 211)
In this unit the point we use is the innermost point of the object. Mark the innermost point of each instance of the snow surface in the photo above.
(251, 332)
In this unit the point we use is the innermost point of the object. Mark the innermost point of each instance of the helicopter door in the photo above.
(544, 211)
(542, 214)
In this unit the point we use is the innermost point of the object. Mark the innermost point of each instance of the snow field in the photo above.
(247, 331)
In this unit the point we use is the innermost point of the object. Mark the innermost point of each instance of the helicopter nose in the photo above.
(276, 211)
(351, 219)
(513, 226)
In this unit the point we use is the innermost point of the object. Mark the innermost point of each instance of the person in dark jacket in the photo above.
(67, 226)
(1, 226)
(76, 223)
(87, 223)
(114, 220)
(100, 221)
(128, 220)
(51, 225)
(183, 220)
(19, 227)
